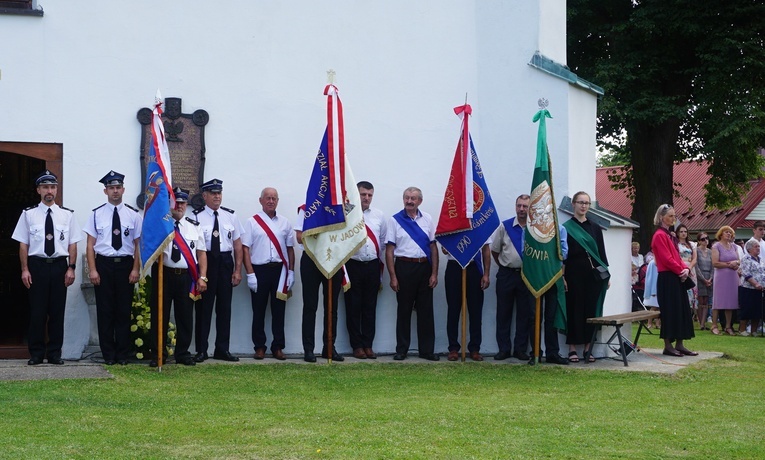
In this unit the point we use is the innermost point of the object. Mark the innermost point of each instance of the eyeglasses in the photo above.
(704, 239)
(583, 203)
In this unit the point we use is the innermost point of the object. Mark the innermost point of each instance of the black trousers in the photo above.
(361, 301)
(114, 298)
(268, 286)
(218, 295)
(47, 302)
(550, 306)
(474, 298)
(511, 290)
(311, 278)
(177, 284)
(414, 294)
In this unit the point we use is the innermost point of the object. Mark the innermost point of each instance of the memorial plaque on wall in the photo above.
(185, 135)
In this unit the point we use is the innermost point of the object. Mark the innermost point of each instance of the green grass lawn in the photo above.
(397, 410)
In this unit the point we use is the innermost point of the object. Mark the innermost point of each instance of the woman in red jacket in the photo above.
(676, 314)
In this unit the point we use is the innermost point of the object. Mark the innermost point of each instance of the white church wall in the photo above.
(258, 68)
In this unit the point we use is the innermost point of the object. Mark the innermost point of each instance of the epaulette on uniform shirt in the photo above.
(32, 207)
(66, 209)
(192, 221)
(227, 209)
(94, 209)
(198, 210)
(130, 207)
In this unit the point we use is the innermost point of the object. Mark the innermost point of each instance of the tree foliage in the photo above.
(682, 80)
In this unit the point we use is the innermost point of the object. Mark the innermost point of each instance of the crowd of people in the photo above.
(210, 247)
(724, 283)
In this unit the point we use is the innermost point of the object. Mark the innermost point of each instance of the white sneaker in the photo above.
(744, 334)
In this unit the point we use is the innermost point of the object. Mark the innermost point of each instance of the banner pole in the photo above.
(160, 294)
(464, 313)
(330, 345)
(537, 334)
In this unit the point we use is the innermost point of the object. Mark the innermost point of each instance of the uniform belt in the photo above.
(515, 269)
(223, 253)
(49, 260)
(363, 261)
(270, 264)
(116, 260)
(417, 260)
(451, 260)
(176, 271)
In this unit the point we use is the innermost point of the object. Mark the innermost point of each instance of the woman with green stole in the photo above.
(586, 289)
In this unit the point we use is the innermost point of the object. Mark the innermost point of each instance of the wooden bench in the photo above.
(617, 321)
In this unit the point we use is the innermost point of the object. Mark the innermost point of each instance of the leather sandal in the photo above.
(715, 331)
(573, 357)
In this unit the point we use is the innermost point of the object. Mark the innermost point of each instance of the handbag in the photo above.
(600, 272)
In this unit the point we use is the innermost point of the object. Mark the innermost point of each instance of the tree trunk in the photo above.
(653, 148)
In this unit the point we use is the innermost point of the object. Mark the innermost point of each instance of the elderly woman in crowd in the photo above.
(585, 291)
(676, 314)
(726, 261)
(704, 276)
(750, 291)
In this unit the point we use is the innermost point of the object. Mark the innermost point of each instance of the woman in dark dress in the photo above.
(676, 313)
(585, 292)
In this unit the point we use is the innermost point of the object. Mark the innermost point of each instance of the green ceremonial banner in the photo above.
(542, 256)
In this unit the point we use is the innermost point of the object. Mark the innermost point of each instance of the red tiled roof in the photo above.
(691, 176)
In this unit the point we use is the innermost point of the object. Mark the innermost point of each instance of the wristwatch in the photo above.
(72, 266)
(203, 278)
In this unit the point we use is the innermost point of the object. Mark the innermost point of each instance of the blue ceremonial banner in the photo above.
(466, 245)
(331, 234)
(320, 215)
(158, 227)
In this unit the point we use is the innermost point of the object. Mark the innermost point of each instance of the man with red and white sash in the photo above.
(412, 258)
(365, 274)
(269, 260)
(184, 279)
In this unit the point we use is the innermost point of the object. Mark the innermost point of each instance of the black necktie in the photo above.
(175, 254)
(116, 230)
(215, 240)
(49, 244)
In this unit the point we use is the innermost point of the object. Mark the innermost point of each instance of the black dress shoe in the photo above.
(521, 355)
(153, 363)
(225, 356)
(556, 359)
(34, 361)
(502, 355)
(123, 362)
(672, 353)
(110, 362)
(430, 357)
(187, 361)
(399, 357)
(55, 361)
(335, 356)
(201, 357)
(309, 357)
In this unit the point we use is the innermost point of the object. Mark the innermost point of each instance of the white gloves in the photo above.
(290, 279)
(252, 282)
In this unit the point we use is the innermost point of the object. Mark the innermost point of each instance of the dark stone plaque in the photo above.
(185, 135)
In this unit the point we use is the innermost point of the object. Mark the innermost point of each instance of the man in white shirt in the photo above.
(47, 234)
(269, 259)
(365, 274)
